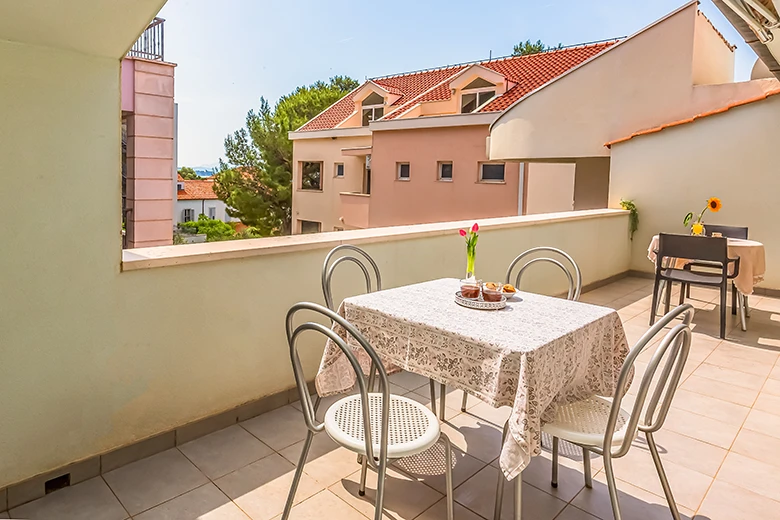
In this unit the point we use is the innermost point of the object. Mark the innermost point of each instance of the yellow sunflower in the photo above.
(714, 204)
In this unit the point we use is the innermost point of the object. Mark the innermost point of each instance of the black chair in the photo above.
(728, 232)
(714, 251)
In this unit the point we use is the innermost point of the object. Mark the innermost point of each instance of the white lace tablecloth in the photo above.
(752, 261)
(536, 353)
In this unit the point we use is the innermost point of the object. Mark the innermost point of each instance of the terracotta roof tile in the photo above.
(196, 190)
(528, 72)
(712, 112)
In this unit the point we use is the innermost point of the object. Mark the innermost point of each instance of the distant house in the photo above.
(194, 198)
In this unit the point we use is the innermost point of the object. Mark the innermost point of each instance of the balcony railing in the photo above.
(151, 44)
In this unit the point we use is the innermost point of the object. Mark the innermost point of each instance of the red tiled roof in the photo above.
(719, 110)
(528, 72)
(196, 190)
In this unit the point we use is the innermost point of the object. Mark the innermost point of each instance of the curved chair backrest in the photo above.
(364, 263)
(575, 280)
(309, 414)
(727, 231)
(659, 390)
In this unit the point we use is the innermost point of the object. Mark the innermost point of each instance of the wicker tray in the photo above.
(480, 304)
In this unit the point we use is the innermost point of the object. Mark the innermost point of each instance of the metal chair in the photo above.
(600, 425)
(365, 423)
(739, 302)
(366, 264)
(575, 280)
(687, 247)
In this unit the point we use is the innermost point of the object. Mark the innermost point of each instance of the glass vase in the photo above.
(470, 258)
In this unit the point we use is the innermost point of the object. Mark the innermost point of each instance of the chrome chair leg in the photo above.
(432, 385)
(612, 485)
(742, 311)
(363, 471)
(448, 475)
(662, 476)
(442, 400)
(519, 497)
(465, 401)
(586, 468)
(554, 481)
(380, 490)
(747, 305)
(298, 473)
(501, 480)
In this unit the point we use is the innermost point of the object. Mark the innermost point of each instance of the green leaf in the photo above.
(687, 219)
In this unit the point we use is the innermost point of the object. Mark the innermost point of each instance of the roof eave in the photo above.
(764, 54)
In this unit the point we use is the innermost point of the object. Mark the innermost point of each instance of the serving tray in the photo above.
(480, 304)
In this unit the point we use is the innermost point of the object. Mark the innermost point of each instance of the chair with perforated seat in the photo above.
(378, 426)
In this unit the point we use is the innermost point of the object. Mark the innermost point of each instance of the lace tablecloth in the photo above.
(752, 261)
(533, 355)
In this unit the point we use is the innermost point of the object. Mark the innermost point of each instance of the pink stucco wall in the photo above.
(424, 198)
(128, 85)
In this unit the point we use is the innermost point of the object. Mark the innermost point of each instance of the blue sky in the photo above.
(230, 53)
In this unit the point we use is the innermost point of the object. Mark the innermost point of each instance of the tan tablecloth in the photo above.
(752, 261)
(535, 354)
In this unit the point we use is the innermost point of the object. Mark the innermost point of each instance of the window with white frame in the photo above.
(445, 171)
(212, 212)
(373, 108)
(338, 170)
(475, 95)
(492, 172)
(310, 226)
(404, 171)
(188, 215)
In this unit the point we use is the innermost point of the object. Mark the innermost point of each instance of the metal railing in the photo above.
(151, 44)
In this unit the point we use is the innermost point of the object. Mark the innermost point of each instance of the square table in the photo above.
(537, 353)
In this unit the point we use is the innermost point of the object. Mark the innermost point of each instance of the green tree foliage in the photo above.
(188, 174)
(528, 47)
(256, 180)
(215, 230)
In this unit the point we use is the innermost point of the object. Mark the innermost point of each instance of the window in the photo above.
(311, 178)
(445, 171)
(188, 215)
(403, 171)
(339, 170)
(309, 226)
(212, 213)
(336, 228)
(491, 172)
(373, 108)
(476, 94)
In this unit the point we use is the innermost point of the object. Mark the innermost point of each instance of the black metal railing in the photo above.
(151, 44)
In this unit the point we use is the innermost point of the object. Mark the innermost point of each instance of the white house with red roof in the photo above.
(197, 197)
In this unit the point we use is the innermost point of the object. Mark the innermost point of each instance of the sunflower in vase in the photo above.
(697, 227)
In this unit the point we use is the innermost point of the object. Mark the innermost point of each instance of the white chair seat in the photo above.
(584, 422)
(413, 428)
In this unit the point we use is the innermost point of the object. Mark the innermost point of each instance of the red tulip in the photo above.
(463, 232)
(475, 228)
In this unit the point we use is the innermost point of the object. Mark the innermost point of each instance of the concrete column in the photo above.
(150, 155)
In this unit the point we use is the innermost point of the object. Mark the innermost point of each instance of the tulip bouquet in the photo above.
(471, 248)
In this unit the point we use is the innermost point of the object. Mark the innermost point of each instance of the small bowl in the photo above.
(470, 289)
(492, 295)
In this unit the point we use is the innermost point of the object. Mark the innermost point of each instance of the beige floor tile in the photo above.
(321, 506)
(720, 390)
(733, 361)
(452, 404)
(775, 373)
(439, 512)
(686, 451)
(478, 494)
(409, 380)
(261, 488)
(90, 499)
(477, 437)
(700, 427)
(772, 387)
(278, 429)
(763, 422)
(204, 503)
(758, 446)
(711, 407)
(222, 452)
(327, 462)
(637, 469)
(729, 376)
(404, 498)
(635, 503)
(152, 481)
(574, 513)
(428, 467)
(496, 416)
(767, 403)
(756, 476)
(571, 476)
(725, 501)
(750, 352)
